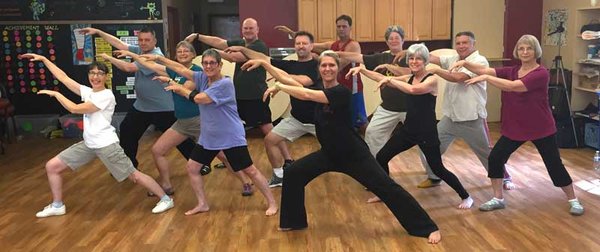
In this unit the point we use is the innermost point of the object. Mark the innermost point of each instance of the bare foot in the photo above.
(466, 203)
(373, 199)
(272, 210)
(435, 237)
(198, 209)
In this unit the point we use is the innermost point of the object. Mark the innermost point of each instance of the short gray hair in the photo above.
(394, 28)
(186, 45)
(531, 41)
(332, 54)
(419, 50)
(212, 53)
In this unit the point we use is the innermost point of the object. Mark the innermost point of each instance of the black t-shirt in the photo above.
(334, 128)
(303, 111)
(392, 98)
(249, 85)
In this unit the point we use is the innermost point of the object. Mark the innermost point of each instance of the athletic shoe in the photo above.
(247, 190)
(492, 204)
(49, 210)
(429, 183)
(163, 205)
(275, 181)
(205, 170)
(576, 208)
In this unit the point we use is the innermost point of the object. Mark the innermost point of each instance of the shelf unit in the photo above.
(585, 90)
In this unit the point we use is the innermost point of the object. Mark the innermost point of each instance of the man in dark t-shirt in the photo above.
(393, 108)
(301, 121)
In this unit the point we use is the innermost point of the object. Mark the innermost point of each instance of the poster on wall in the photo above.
(81, 45)
(24, 76)
(555, 29)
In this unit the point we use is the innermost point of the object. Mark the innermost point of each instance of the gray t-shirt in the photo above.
(151, 96)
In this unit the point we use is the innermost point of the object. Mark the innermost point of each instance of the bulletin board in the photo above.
(70, 52)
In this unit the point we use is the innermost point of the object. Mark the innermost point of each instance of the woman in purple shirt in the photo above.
(526, 116)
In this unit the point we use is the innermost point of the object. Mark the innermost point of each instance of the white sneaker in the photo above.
(163, 205)
(49, 210)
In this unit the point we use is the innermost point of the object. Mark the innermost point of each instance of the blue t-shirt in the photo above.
(184, 108)
(220, 122)
(150, 94)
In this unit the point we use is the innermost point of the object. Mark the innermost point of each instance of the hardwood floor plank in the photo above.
(103, 214)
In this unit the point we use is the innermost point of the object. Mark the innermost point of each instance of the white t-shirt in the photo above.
(464, 102)
(97, 130)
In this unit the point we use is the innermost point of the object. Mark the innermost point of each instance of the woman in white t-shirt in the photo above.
(99, 137)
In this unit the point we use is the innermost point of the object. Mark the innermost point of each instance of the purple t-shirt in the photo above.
(220, 122)
(526, 115)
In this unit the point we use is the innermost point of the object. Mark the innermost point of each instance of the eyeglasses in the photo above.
(209, 63)
(96, 74)
(523, 49)
(183, 51)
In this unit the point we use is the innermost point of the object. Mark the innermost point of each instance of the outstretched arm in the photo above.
(473, 67)
(157, 68)
(502, 84)
(370, 74)
(247, 52)
(57, 72)
(81, 108)
(114, 41)
(286, 30)
(292, 87)
(128, 67)
(212, 41)
(428, 86)
(173, 65)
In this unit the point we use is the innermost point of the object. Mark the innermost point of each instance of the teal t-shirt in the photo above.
(183, 107)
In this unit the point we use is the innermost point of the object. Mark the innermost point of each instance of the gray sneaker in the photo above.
(576, 208)
(275, 181)
(491, 205)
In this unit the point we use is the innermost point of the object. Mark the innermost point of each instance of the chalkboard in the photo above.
(51, 10)
(23, 78)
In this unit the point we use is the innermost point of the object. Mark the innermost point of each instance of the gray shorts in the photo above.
(291, 129)
(112, 156)
(189, 127)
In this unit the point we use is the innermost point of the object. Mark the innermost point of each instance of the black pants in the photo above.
(548, 149)
(135, 124)
(366, 171)
(431, 149)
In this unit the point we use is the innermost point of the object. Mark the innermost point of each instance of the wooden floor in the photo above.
(105, 215)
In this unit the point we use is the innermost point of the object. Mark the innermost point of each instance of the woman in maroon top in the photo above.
(526, 116)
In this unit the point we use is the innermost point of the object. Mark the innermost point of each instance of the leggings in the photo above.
(431, 149)
(367, 172)
(546, 146)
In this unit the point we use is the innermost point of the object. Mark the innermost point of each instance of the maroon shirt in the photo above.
(526, 115)
(341, 78)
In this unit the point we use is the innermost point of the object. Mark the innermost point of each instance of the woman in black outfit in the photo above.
(342, 150)
(420, 126)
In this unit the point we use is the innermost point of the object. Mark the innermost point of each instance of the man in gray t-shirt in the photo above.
(153, 105)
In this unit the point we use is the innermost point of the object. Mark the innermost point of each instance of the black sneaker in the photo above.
(219, 166)
(205, 170)
(275, 181)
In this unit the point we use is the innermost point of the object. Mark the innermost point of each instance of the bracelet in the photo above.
(198, 36)
(192, 95)
(169, 81)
